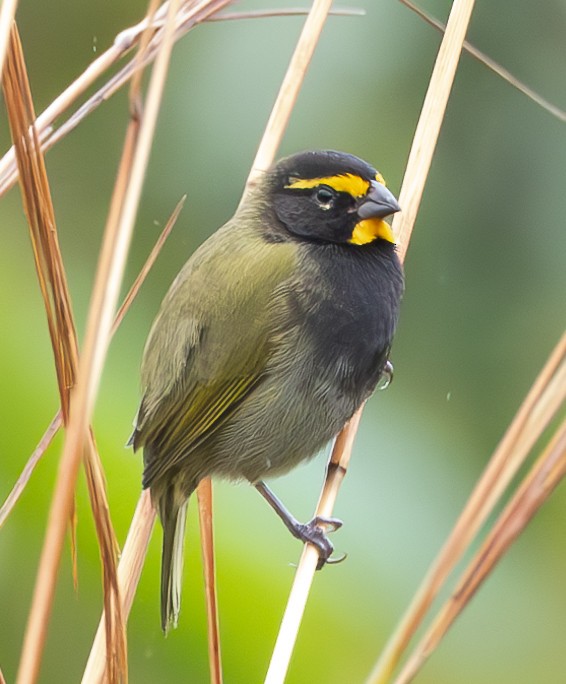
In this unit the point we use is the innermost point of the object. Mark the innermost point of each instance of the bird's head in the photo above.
(328, 196)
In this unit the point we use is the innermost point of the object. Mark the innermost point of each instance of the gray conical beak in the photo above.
(379, 202)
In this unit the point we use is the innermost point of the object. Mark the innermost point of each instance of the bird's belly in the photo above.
(281, 424)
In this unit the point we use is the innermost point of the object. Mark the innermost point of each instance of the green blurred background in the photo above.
(485, 304)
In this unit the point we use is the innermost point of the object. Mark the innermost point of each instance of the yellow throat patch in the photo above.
(369, 230)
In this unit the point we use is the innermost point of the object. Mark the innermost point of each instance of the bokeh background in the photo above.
(485, 303)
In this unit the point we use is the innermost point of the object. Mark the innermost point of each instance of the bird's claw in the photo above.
(386, 377)
(337, 559)
(313, 533)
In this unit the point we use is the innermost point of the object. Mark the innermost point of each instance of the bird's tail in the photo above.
(173, 514)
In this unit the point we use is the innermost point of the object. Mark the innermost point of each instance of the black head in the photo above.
(328, 196)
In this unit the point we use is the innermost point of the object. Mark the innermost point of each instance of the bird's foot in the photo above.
(313, 533)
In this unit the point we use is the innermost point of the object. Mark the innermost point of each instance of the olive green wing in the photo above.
(210, 345)
(182, 424)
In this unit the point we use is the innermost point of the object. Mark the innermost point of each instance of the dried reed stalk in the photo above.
(543, 478)
(276, 125)
(33, 460)
(264, 157)
(204, 494)
(285, 12)
(7, 14)
(537, 410)
(420, 157)
(115, 247)
(129, 571)
(188, 15)
(296, 603)
(491, 64)
(55, 424)
(139, 548)
(287, 96)
(53, 285)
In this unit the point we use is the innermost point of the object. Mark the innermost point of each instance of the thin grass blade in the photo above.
(204, 494)
(543, 478)
(53, 284)
(534, 415)
(501, 71)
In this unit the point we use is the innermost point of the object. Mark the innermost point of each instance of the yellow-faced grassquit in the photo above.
(272, 335)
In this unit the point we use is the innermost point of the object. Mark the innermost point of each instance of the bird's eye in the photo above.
(325, 196)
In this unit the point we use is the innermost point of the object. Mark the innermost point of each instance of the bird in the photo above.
(272, 335)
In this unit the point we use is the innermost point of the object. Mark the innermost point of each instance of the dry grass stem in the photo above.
(7, 14)
(115, 624)
(534, 415)
(26, 473)
(56, 423)
(40, 215)
(117, 238)
(129, 571)
(541, 481)
(296, 12)
(411, 192)
(141, 522)
(187, 17)
(105, 294)
(296, 603)
(53, 285)
(287, 96)
(148, 265)
(501, 71)
(145, 522)
(204, 493)
(430, 121)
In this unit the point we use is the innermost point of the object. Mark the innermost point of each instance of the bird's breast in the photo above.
(348, 305)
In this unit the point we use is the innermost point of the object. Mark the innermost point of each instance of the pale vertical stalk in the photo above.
(501, 71)
(267, 149)
(296, 603)
(420, 158)
(204, 494)
(103, 305)
(129, 571)
(7, 14)
(430, 121)
(287, 96)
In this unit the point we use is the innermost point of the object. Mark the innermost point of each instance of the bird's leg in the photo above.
(310, 532)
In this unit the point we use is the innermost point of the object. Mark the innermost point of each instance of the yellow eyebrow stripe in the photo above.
(347, 182)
